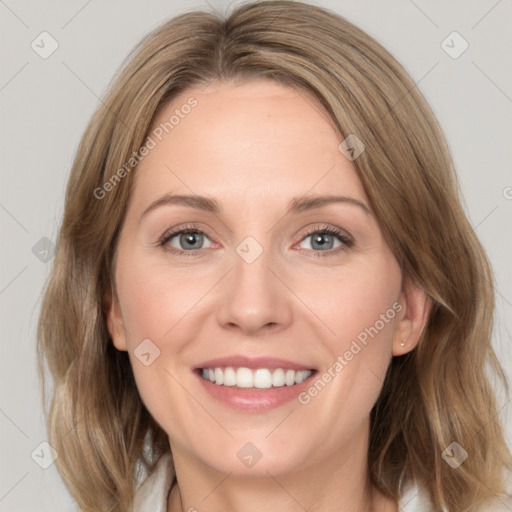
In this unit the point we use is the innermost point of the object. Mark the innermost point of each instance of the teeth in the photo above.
(261, 378)
(229, 377)
(244, 378)
(278, 378)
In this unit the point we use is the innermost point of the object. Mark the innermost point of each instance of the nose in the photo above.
(254, 297)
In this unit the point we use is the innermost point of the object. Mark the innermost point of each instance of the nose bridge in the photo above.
(253, 296)
(251, 268)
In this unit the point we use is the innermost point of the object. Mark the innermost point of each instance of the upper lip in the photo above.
(238, 361)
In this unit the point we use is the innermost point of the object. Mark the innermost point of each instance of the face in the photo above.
(275, 263)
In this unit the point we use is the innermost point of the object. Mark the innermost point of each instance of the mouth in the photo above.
(253, 384)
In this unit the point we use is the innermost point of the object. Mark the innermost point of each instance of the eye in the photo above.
(327, 239)
(323, 241)
(188, 239)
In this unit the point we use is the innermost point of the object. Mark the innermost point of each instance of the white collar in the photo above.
(152, 495)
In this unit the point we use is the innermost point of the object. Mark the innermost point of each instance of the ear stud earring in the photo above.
(402, 344)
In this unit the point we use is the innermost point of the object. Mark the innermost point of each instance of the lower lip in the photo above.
(249, 400)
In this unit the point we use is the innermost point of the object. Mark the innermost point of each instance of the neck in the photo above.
(339, 484)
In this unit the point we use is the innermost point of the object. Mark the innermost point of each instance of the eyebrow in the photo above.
(296, 205)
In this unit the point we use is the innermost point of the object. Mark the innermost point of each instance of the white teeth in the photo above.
(261, 378)
(301, 376)
(219, 376)
(229, 377)
(278, 378)
(289, 378)
(244, 378)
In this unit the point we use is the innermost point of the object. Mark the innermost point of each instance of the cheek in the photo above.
(156, 299)
(158, 305)
(360, 309)
(357, 303)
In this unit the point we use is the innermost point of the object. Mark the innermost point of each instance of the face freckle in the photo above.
(258, 285)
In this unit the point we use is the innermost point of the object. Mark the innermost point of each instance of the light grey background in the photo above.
(46, 103)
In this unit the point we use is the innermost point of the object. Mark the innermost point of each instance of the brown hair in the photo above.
(437, 394)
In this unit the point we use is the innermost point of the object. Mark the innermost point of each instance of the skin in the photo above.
(253, 147)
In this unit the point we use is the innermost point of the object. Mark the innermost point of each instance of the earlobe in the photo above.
(414, 317)
(115, 323)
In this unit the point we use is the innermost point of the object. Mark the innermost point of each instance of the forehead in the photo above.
(245, 143)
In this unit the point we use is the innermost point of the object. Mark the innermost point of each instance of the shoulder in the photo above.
(415, 498)
(151, 495)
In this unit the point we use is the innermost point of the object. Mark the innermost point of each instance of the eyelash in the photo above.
(346, 240)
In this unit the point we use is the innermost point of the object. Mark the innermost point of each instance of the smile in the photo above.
(253, 384)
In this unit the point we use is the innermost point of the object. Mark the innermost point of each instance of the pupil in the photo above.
(191, 238)
(321, 240)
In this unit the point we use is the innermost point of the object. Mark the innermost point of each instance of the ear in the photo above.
(115, 322)
(416, 306)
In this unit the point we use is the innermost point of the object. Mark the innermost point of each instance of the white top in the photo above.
(152, 495)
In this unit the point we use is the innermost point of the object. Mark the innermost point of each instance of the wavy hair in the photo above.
(438, 393)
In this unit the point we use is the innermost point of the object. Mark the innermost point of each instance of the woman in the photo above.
(266, 294)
